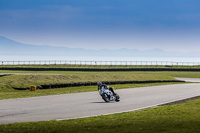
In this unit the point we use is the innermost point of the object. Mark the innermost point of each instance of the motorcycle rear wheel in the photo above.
(117, 98)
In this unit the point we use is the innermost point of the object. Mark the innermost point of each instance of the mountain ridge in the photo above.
(8, 46)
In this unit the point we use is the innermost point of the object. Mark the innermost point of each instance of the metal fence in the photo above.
(76, 62)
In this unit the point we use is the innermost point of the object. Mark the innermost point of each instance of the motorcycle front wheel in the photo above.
(105, 97)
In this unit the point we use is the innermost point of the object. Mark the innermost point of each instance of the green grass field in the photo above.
(179, 118)
(71, 77)
(27, 78)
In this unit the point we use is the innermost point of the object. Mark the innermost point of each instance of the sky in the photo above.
(171, 25)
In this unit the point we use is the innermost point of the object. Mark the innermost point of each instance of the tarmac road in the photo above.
(78, 105)
(189, 79)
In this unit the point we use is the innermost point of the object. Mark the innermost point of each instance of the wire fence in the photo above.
(76, 62)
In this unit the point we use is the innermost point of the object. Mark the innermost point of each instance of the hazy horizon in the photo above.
(171, 25)
(16, 51)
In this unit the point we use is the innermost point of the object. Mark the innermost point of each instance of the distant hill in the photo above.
(8, 46)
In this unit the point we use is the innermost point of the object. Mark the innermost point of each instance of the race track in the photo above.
(78, 105)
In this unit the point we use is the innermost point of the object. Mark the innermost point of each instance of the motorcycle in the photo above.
(108, 96)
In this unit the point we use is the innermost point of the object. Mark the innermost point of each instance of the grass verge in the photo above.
(53, 77)
(179, 118)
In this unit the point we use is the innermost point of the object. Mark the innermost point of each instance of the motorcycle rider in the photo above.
(100, 85)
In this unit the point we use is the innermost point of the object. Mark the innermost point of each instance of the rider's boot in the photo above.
(111, 89)
(114, 94)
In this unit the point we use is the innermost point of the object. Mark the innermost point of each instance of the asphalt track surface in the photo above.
(80, 105)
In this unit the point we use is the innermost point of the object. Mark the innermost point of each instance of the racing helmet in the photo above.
(99, 83)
